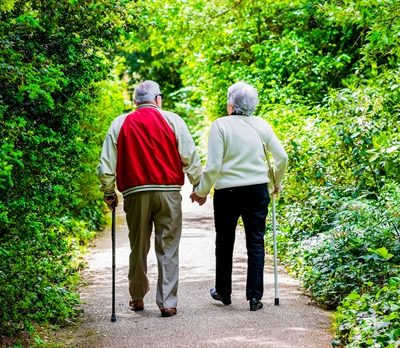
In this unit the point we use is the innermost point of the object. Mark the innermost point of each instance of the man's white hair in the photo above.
(243, 97)
(146, 91)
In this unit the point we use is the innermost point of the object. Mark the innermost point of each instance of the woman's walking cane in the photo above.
(271, 189)
(275, 251)
(113, 316)
(273, 194)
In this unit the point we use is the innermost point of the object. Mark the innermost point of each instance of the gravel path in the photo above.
(201, 321)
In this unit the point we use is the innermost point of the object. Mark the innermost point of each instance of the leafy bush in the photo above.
(371, 319)
(38, 278)
(360, 248)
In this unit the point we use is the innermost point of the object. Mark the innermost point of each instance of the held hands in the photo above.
(110, 200)
(196, 198)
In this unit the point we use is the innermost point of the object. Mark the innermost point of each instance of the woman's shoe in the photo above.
(226, 300)
(255, 304)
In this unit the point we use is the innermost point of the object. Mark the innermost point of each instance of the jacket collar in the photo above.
(147, 106)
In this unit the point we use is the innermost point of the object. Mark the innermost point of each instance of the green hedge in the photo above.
(52, 60)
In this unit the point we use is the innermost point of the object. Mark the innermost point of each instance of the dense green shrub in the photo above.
(52, 60)
(342, 260)
(362, 245)
(36, 283)
(371, 319)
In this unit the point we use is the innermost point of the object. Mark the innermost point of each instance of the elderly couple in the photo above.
(148, 151)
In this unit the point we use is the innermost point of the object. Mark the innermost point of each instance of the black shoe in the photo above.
(226, 300)
(255, 304)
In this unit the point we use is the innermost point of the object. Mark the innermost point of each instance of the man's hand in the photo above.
(110, 200)
(196, 198)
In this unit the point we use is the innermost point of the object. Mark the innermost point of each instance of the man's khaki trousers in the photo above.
(163, 209)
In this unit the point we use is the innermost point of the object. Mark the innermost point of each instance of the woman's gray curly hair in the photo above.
(243, 97)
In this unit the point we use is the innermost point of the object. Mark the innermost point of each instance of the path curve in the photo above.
(201, 322)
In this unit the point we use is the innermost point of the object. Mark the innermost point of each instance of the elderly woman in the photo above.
(236, 168)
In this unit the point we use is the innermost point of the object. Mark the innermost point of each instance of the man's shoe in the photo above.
(255, 304)
(136, 305)
(168, 312)
(226, 300)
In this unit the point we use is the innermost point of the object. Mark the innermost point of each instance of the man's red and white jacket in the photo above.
(147, 150)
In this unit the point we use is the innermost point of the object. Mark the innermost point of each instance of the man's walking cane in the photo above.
(113, 316)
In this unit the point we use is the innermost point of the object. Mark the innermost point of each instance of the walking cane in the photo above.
(275, 251)
(272, 182)
(113, 316)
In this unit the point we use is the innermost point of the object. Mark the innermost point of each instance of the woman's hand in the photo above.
(276, 190)
(198, 199)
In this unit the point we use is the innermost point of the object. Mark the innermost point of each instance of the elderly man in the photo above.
(147, 152)
(236, 168)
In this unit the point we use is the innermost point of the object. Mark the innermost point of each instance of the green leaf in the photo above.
(396, 333)
(392, 149)
(374, 157)
(370, 342)
(354, 296)
(4, 252)
(382, 252)
(394, 281)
